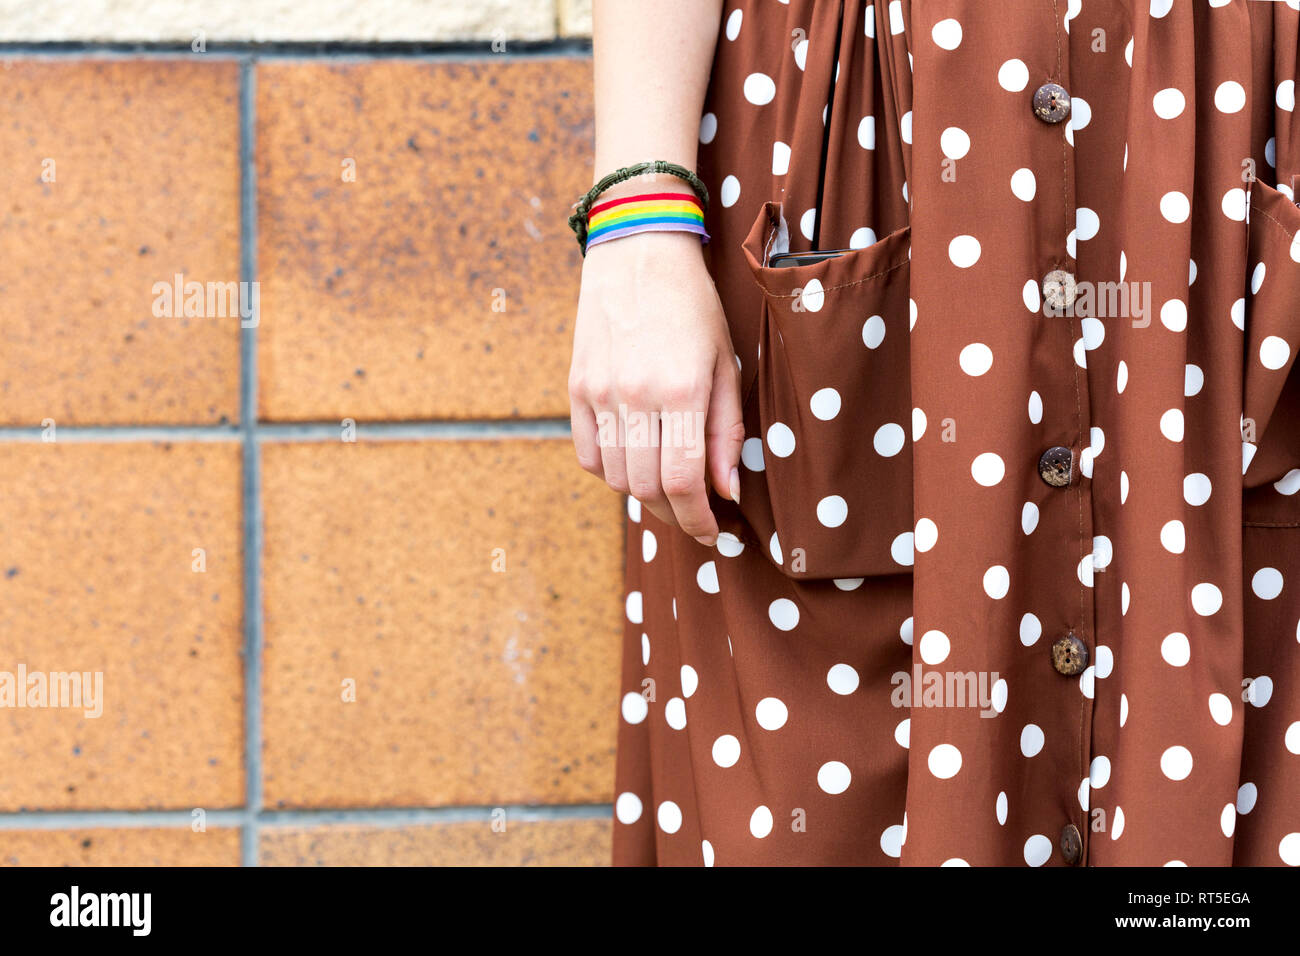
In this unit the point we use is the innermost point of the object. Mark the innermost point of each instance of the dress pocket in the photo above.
(1271, 383)
(827, 466)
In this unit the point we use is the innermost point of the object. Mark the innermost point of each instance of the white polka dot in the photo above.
(1234, 204)
(1289, 483)
(1247, 794)
(1161, 7)
(812, 296)
(1031, 740)
(1173, 538)
(902, 550)
(997, 581)
(627, 808)
(1228, 820)
(1099, 773)
(1000, 808)
(726, 751)
(1030, 294)
(729, 546)
(954, 142)
(1193, 380)
(1260, 691)
(1105, 661)
(1171, 424)
(1267, 583)
(771, 713)
(1196, 489)
(759, 89)
(903, 733)
(1176, 763)
(976, 359)
(833, 777)
(1080, 114)
(780, 158)
(934, 647)
(707, 577)
(905, 129)
(649, 545)
(918, 424)
(1117, 828)
(675, 713)
(832, 511)
(1176, 650)
(964, 251)
(670, 817)
(1086, 223)
(760, 822)
(1220, 709)
(1024, 187)
(1286, 95)
(862, 237)
(1289, 848)
(1013, 76)
(733, 23)
(706, 850)
(1169, 103)
(891, 841)
(987, 469)
(873, 332)
(1206, 599)
(1175, 207)
(780, 440)
(1173, 315)
(889, 440)
(1257, 277)
(784, 614)
(927, 535)
(1038, 850)
(1230, 97)
(947, 34)
(842, 679)
(774, 547)
(751, 454)
(998, 696)
(1292, 738)
(1029, 517)
(634, 707)
(945, 761)
(867, 132)
(690, 680)
(708, 127)
(1274, 352)
(1031, 629)
(895, 17)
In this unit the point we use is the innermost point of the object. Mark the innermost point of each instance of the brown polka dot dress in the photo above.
(1015, 574)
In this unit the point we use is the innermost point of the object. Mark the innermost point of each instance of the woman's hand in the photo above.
(654, 388)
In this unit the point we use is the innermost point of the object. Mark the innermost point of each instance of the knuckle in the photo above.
(643, 489)
(679, 484)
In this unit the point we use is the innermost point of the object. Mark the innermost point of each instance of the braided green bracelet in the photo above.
(578, 220)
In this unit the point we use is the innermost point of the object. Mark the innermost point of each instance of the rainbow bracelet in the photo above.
(646, 212)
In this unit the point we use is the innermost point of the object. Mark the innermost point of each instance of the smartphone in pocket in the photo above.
(804, 258)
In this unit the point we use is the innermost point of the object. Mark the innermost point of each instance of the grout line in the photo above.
(252, 503)
(483, 429)
(344, 51)
(370, 816)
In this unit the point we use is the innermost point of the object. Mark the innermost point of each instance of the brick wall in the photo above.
(349, 596)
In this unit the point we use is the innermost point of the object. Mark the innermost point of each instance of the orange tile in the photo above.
(382, 296)
(97, 577)
(126, 846)
(472, 686)
(143, 156)
(536, 843)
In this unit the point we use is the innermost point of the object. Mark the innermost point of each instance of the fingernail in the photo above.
(735, 485)
(705, 540)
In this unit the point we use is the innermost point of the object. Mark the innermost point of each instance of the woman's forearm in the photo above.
(652, 63)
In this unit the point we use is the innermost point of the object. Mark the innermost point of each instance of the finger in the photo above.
(682, 462)
(613, 456)
(586, 443)
(725, 429)
(643, 473)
